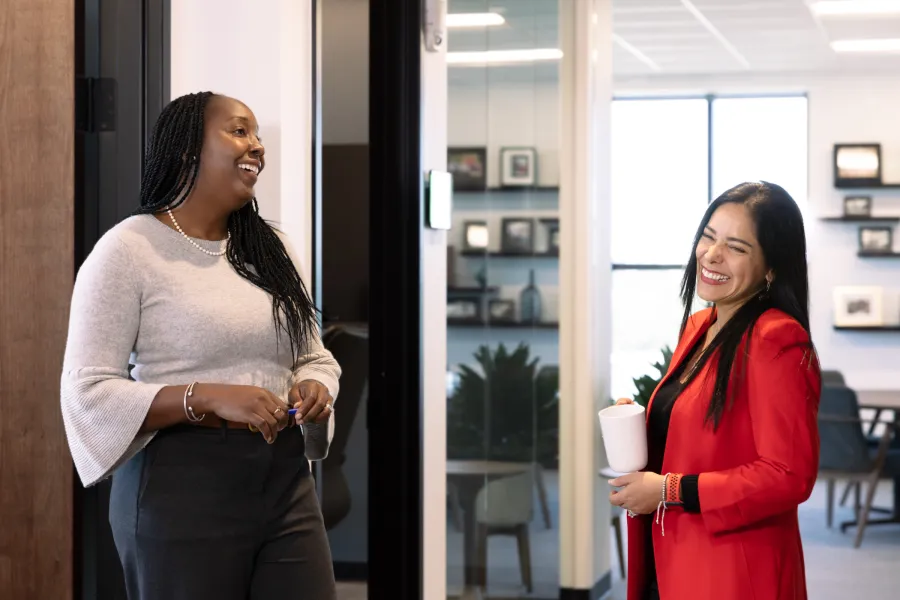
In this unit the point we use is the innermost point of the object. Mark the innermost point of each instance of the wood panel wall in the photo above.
(36, 273)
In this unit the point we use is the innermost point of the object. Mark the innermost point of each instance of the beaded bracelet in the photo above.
(672, 489)
(668, 496)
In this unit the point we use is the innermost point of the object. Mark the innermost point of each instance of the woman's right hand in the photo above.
(621, 401)
(245, 404)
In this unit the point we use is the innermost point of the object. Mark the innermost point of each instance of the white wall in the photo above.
(263, 58)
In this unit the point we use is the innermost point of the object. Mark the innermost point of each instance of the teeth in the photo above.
(252, 168)
(710, 275)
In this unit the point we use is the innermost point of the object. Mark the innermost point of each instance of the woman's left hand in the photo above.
(641, 492)
(313, 401)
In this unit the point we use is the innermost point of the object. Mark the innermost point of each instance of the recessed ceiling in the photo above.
(661, 38)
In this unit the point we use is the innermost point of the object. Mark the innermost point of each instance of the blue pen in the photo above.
(291, 413)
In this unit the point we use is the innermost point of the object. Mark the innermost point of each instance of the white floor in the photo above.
(835, 570)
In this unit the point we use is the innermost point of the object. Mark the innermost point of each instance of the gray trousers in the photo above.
(209, 514)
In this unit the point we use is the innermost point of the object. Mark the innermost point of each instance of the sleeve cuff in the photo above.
(690, 493)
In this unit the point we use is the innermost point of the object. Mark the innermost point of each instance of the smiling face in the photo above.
(233, 155)
(731, 266)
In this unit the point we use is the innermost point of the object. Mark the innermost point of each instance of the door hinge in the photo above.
(95, 104)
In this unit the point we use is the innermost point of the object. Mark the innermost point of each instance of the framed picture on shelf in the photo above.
(858, 206)
(475, 235)
(876, 240)
(518, 167)
(464, 309)
(857, 165)
(517, 236)
(553, 240)
(858, 306)
(502, 311)
(469, 168)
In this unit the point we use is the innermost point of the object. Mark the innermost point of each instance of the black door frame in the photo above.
(395, 279)
(121, 85)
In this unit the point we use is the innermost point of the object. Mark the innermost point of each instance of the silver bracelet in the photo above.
(189, 410)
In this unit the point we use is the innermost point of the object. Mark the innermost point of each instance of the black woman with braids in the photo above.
(208, 440)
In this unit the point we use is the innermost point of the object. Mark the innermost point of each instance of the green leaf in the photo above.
(646, 384)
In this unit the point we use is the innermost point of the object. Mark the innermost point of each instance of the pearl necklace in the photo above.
(195, 244)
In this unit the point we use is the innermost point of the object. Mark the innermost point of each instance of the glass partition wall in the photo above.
(502, 300)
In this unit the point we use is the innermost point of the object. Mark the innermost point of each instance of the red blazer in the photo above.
(753, 473)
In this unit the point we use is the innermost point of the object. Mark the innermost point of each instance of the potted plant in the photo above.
(646, 384)
(508, 411)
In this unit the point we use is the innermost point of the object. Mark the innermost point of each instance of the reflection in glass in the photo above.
(502, 338)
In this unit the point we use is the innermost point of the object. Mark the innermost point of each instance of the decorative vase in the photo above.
(530, 301)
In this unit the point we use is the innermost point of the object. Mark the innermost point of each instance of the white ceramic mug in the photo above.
(624, 432)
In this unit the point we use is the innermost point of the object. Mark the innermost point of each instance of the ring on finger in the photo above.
(277, 410)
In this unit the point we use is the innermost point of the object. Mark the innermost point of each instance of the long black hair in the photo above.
(781, 236)
(257, 254)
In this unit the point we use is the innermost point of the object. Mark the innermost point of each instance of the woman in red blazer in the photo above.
(732, 433)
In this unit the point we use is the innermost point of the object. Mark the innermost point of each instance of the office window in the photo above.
(760, 139)
(659, 178)
(670, 157)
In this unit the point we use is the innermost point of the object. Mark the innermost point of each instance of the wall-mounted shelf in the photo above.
(501, 254)
(865, 328)
(461, 290)
(510, 190)
(883, 186)
(869, 219)
(863, 254)
(500, 324)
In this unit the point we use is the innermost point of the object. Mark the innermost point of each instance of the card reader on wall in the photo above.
(435, 25)
(439, 199)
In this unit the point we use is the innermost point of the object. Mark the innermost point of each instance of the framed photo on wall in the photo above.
(518, 167)
(858, 306)
(857, 165)
(468, 167)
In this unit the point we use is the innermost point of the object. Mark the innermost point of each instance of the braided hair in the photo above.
(171, 165)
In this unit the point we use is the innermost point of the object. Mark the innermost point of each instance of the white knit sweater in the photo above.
(145, 295)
